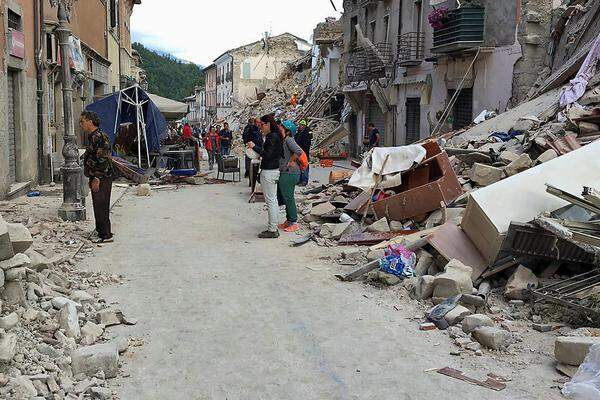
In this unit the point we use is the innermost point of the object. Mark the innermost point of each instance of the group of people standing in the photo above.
(217, 141)
(283, 162)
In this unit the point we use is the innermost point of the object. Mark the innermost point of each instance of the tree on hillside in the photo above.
(167, 76)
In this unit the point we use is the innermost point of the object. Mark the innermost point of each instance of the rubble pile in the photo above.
(486, 158)
(481, 227)
(53, 342)
(296, 80)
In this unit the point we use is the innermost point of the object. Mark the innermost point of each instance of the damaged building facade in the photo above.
(419, 66)
(243, 72)
(31, 116)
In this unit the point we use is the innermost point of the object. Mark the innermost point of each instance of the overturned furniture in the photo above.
(423, 188)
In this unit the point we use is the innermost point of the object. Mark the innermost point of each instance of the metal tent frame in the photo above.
(140, 119)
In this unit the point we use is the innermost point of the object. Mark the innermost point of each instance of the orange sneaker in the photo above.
(285, 225)
(292, 228)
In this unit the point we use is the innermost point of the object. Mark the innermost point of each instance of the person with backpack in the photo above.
(271, 153)
(289, 175)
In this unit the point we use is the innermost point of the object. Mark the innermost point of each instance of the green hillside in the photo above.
(167, 76)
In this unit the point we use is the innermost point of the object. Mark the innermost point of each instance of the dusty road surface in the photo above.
(224, 315)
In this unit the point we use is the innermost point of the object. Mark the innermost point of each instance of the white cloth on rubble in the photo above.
(577, 87)
(400, 159)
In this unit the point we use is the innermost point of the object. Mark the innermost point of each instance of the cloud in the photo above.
(199, 31)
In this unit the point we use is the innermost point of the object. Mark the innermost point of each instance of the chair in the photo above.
(228, 165)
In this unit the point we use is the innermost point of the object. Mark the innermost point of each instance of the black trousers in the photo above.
(101, 200)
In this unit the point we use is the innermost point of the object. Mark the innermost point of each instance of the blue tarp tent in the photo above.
(131, 105)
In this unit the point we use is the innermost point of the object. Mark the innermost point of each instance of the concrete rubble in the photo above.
(51, 345)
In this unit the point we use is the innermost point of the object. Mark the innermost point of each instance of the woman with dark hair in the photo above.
(271, 153)
(289, 176)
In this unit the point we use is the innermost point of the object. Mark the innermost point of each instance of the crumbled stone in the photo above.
(379, 226)
(6, 249)
(69, 321)
(93, 359)
(546, 156)
(519, 165)
(485, 175)
(492, 338)
(472, 322)
(572, 350)
(9, 321)
(19, 260)
(456, 315)
(20, 237)
(519, 282)
(8, 347)
(424, 287)
(322, 209)
(455, 280)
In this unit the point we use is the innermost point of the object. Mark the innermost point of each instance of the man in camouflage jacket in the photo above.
(98, 168)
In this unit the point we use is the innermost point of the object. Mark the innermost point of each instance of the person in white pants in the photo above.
(271, 153)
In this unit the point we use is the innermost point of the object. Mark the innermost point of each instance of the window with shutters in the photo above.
(246, 70)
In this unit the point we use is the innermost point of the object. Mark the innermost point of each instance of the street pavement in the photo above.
(224, 315)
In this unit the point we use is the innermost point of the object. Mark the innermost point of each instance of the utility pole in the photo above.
(72, 208)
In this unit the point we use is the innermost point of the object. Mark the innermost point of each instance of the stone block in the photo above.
(144, 190)
(455, 280)
(518, 282)
(9, 321)
(19, 260)
(97, 358)
(81, 297)
(585, 128)
(38, 261)
(69, 321)
(6, 249)
(524, 125)
(456, 315)
(8, 347)
(15, 274)
(334, 231)
(572, 350)
(14, 294)
(424, 262)
(379, 226)
(23, 388)
(521, 164)
(322, 209)
(20, 237)
(91, 332)
(546, 156)
(472, 322)
(396, 226)
(485, 175)
(375, 254)
(424, 287)
(59, 302)
(492, 338)
(508, 157)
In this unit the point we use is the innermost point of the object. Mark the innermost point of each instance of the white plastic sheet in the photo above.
(400, 159)
(585, 385)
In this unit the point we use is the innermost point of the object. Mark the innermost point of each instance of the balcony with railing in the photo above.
(411, 49)
(369, 63)
(462, 29)
(368, 3)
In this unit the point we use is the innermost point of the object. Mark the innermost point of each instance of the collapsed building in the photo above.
(434, 65)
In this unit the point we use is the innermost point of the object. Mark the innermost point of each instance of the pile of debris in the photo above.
(53, 342)
(320, 107)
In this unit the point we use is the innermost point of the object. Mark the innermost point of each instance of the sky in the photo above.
(201, 30)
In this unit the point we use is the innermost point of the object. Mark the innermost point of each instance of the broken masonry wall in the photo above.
(534, 35)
